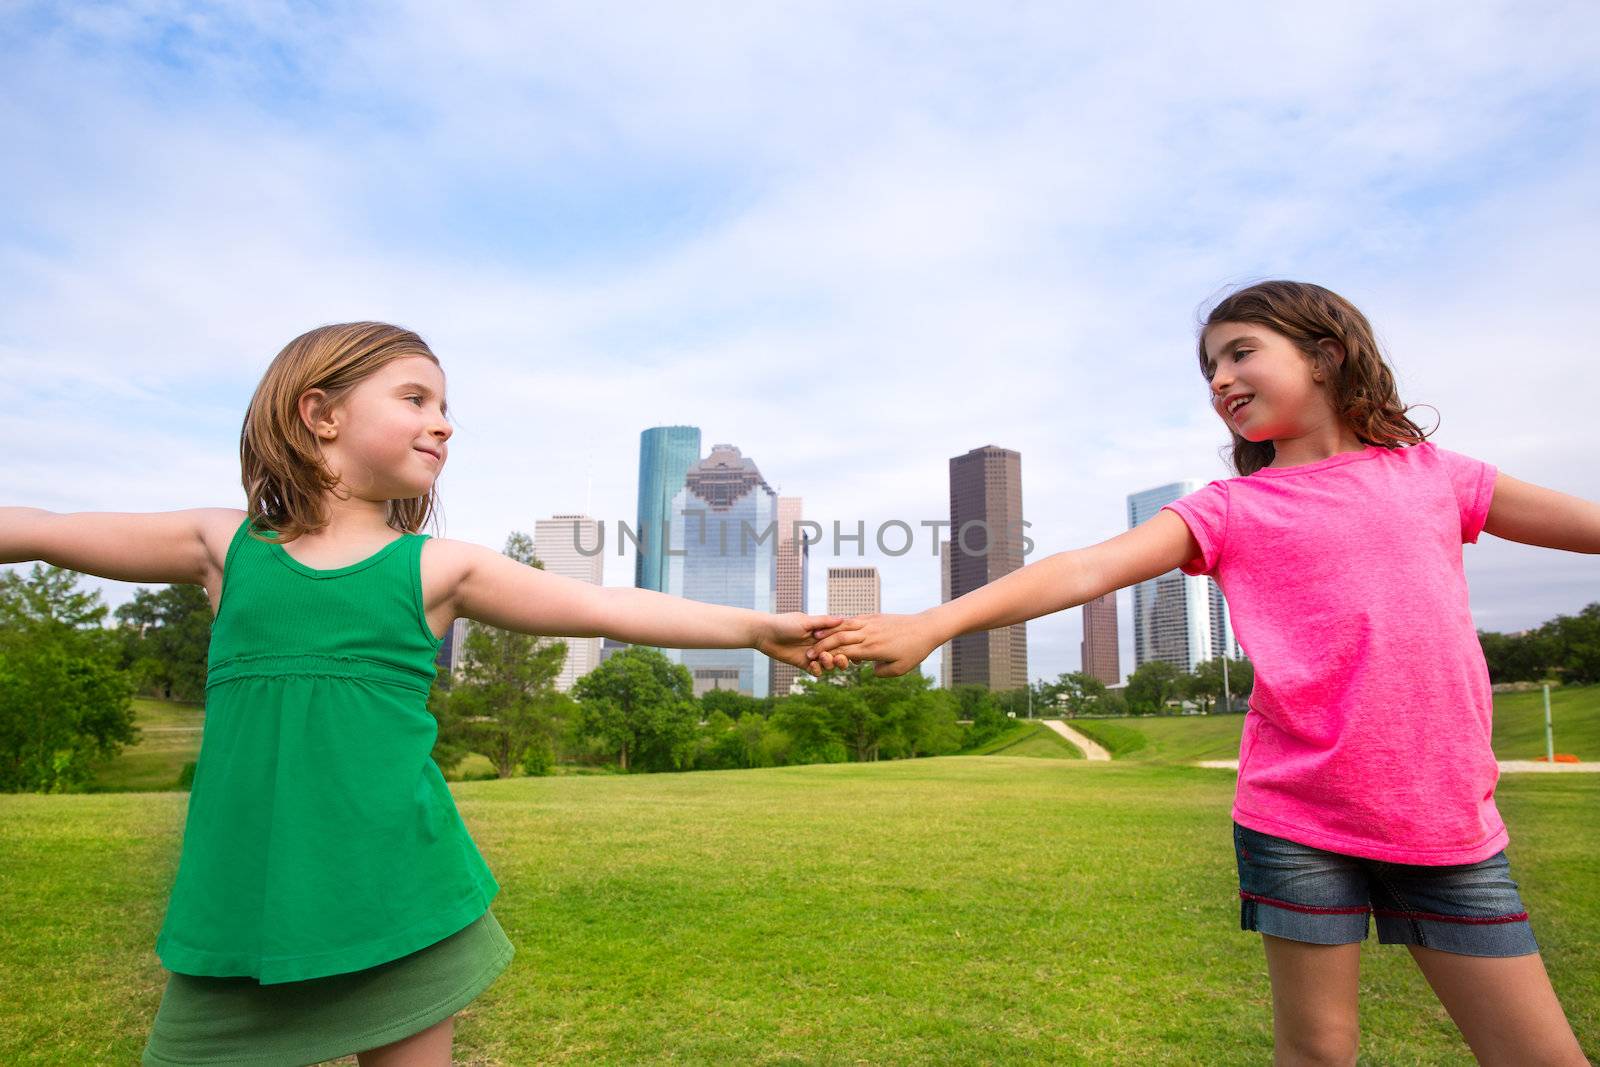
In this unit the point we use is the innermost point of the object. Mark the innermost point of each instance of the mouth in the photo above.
(1238, 403)
(427, 452)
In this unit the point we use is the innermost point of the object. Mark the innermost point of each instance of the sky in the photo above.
(852, 240)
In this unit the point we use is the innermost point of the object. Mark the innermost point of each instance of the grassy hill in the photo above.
(952, 911)
(1518, 729)
(1028, 739)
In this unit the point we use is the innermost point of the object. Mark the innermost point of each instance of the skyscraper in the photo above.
(985, 544)
(946, 662)
(1179, 618)
(1102, 658)
(854, 591)
(665, 455)
(724, 551)
(793, 556)
(560, 543)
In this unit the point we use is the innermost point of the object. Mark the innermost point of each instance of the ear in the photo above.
(1333, 350)
(317, 416)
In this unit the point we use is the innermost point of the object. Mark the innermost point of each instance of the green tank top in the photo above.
(321, 837)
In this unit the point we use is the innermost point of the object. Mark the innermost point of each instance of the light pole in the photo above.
(1227, 697)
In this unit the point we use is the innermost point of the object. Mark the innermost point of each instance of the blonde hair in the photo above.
(280, 461)
(1362, 391)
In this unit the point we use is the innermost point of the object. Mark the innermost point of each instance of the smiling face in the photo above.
(386, 439)
(1262, 386)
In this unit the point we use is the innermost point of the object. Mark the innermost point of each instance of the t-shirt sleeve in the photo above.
(1205, 511)
(1473, 482)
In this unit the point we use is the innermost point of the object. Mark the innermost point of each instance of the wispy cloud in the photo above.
(855, 241)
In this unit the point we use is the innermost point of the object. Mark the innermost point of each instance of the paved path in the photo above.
(1507, 766)
(1091, 749)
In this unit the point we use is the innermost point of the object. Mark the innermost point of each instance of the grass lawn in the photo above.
(169, 738)
(1028, 739)
(954, 911)
(1518, 729)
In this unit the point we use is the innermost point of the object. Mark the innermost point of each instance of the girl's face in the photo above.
(1262, 386)
(387, 439)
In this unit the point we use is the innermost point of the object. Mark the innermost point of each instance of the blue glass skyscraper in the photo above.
(665, 455)
(724, 550)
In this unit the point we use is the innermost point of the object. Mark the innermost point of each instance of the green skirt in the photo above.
(240, 1022)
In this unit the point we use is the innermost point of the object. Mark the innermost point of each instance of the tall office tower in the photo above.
(854, 591)
(724, 551)
(665, 455)
(1179, 618)
(560, 543)
(985, 544)
(793, 556)
(448, 660)
(946, 663)
(1102, 659)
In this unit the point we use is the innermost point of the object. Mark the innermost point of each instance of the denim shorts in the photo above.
(1301, 893)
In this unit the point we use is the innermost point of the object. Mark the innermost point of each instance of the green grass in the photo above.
(169, 738)
(1574, 714)
(951, 911)
(1167, 739)
(1518, 730)
(1028, 739)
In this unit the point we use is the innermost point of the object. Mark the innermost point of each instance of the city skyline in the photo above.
(599, 234)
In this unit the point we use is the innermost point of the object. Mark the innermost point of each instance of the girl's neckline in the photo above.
(282, 554)
(1335, 460)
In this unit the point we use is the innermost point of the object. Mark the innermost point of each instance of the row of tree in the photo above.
(67, 679)
(1565, 649)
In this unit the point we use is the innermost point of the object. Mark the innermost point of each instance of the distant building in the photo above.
(1102, 658)
(854, 591)
(724, 551)
(792, 562)
(946, 661)
(986, 544)
(560, 543)
(665, 455)
(448, 660)
(1178, 618)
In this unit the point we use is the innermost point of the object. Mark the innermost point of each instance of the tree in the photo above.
(1151, 686)
(640, 705)
(167, 635)
(734, 704)
(1204, 685)
(1577, 645)
(504, 704)
(64, 701)
(809, 722)
(1077, 692)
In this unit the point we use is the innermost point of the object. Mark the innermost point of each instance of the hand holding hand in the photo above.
(896, 642)
(791, 638)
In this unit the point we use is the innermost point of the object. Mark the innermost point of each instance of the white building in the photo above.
(1179, 618)
(569, 545)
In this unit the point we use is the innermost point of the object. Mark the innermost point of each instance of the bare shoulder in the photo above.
(216, 527)
(447, 563)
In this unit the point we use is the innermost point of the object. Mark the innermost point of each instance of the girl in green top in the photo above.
(328, 899)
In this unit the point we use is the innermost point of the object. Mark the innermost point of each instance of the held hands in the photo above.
(897, 642)
(791, 638)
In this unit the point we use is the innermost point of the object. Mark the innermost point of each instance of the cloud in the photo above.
(853, 241)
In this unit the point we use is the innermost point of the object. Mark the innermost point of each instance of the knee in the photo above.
(1322, 1046)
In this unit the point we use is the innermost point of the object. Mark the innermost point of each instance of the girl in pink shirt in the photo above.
(1366, 777)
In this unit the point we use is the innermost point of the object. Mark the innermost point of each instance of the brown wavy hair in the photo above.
(1362, 388)
(280, 461)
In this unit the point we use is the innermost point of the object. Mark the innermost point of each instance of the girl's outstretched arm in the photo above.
(497, 590)
(900, 642)
(167, 546)
(1534, 515)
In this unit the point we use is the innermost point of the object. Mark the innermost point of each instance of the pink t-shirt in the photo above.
(1368, 728)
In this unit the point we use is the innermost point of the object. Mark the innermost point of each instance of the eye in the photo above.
(418, 399)
(1240, 353)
